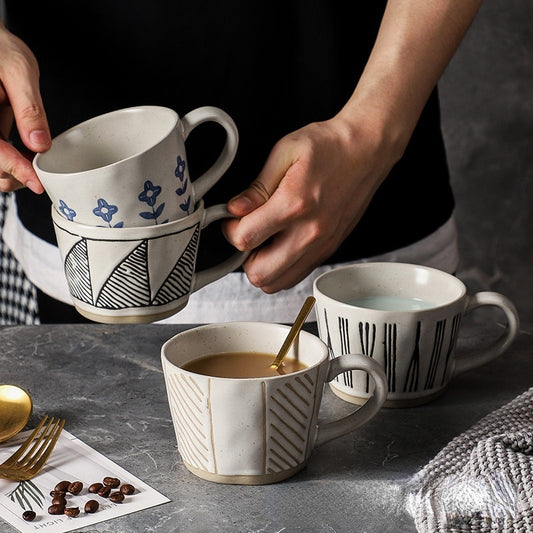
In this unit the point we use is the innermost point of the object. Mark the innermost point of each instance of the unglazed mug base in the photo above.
(133, 318)
(394, 404)
(261, 479)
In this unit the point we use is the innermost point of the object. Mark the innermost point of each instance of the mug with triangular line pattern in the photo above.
(137, 274)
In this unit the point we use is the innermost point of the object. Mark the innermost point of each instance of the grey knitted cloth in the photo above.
(482, 481)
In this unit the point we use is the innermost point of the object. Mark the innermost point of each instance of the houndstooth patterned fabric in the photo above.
(18, 296)
(482, 481)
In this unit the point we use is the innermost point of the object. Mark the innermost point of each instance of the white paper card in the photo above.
(71, 460)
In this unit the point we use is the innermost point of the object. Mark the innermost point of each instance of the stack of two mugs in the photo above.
(127, 217)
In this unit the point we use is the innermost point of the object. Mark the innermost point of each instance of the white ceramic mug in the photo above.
(128, 168)
(134, 275)
(255, 430)
(407, 318)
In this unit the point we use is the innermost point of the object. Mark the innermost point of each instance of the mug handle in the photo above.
(498, 346)
(204, 277)
(344, 363)
(211, 114)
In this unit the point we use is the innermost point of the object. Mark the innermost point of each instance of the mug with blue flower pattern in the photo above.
(128, 168)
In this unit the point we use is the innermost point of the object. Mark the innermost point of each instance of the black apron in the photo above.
(273, 66)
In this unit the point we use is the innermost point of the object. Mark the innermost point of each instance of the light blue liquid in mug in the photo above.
(391, 303)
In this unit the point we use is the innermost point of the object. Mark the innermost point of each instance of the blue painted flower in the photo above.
(182, 189)
(66, 210)
(105, 210)
(180, 169)
(150, 193)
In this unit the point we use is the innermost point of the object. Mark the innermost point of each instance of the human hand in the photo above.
(318, 181)
(20, 99)
(314, 188)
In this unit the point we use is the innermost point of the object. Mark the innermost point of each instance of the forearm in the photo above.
(415, 43)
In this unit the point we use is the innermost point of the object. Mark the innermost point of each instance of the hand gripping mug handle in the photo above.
(498, 346)
(345, 363)
(211, 114)
(204, 277)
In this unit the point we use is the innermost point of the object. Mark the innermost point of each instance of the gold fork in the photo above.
(23, 465)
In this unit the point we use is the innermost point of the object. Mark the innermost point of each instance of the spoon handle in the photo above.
(293, 333)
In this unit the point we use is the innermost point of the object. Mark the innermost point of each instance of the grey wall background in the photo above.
(487, 107)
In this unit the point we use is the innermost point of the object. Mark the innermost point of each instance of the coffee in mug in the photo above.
(242, 365)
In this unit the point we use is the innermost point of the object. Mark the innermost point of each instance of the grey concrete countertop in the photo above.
(108, 384)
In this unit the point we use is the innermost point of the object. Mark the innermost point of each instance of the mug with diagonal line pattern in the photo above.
(259, 427)
(407, 318)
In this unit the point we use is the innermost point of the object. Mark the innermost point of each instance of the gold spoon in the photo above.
(293, 333)
(15, 410)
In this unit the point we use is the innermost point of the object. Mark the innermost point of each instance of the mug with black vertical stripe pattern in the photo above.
(406, 317)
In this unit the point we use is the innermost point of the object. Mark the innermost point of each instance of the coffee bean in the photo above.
(127, 489)
(112, 482)
(95, 487)
(116, 497)
(104, 492)
(75, 487)
(91, 506)
(73, 512)
(56, 509)
(62, 486)
(59, 500)
(55, 493)
(28, 515)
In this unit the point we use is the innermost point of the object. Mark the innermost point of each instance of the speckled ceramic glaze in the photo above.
(415, 347)
(128, 168)
(143, 274)
(255, 430)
